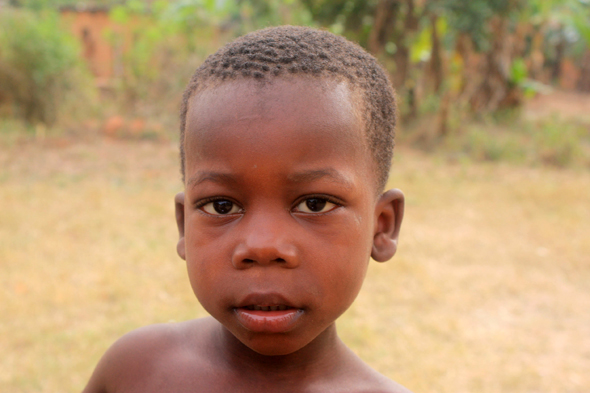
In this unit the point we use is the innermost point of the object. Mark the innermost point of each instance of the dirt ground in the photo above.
(567, 105)
(489, 291)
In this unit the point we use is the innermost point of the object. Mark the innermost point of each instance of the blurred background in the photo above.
(491, 288)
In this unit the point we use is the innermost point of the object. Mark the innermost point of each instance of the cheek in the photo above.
(349, 275)
(205, 243)
(344, 261)
(206, 261)
(340, 286)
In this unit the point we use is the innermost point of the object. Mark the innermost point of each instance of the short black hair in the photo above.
(290, 50)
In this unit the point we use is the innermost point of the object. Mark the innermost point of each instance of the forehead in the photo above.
(302, 118)
(308, 99)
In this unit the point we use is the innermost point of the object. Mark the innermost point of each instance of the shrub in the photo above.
(490, 145)
(38, 64)
(559, 144)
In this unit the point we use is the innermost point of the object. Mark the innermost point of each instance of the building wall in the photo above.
(101, 41)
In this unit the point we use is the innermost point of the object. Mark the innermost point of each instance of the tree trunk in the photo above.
(402, 65)
(537, 58)
(495, 90)
(436, 63)
(443, 115)
(559, 53)
(384, 20)
(401, 38)
(584, 81)
(464, 47)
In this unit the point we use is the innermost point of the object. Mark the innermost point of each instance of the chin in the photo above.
(273, 346)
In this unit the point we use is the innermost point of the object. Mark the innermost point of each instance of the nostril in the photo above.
(280, 260)
(248, 260)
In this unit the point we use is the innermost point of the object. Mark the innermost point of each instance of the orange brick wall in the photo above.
(91, 27)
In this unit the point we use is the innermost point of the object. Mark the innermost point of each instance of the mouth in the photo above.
(279, 307)
(262, 318)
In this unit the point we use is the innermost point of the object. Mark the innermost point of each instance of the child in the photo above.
(286, 143)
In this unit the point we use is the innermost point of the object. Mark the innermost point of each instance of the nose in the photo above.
(265, 241)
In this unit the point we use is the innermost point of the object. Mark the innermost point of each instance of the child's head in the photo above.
(290, 51)
(283, 131)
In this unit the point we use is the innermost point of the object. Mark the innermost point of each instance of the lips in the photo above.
(267, 313)
(280, 307)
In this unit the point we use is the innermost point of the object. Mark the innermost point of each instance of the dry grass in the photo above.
(489, 291)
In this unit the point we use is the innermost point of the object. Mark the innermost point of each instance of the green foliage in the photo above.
(558, 143)
(38, 5)
(472, 16)
(561, 19)
(351, 18)
(39, 64)
(422, 46)
(484, 145)
(161, 44)
(255, 14)
(580, 19)
(552, 142)
(518, 71)
(150, 43)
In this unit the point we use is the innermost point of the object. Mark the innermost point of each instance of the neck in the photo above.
(321, 357)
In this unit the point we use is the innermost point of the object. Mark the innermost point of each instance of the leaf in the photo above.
(518, 71)
(119, 14)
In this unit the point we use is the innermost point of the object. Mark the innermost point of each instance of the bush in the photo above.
(39, 63)
(559, 144)
(487, 145)
(551, 142)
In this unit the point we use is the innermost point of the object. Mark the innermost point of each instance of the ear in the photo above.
(179, 202)
(389, 212)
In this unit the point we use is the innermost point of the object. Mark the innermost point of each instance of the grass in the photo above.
(489, 291)
(552, 130)
(550, 142)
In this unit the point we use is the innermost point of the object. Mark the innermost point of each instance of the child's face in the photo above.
(280, 212)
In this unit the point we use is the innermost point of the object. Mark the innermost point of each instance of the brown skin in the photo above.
(280, 208)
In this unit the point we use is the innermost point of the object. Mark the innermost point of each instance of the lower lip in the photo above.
(268, 321)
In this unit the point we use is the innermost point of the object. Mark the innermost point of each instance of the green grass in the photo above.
(489, 291)
(515, 136)
(550, 142)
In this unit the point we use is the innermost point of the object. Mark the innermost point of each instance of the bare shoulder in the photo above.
(359, 377)
(386, 385)
(140, 358)
(374, 382)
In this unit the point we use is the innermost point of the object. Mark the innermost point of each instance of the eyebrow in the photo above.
(215, 177)
(324, 173)
(300, 177)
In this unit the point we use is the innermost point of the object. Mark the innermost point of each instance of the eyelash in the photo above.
(199, 204)
(327, 198)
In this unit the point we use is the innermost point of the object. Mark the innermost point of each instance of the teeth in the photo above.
(268, 308)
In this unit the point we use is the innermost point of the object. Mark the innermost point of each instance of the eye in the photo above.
(220, 207)
(315, 205)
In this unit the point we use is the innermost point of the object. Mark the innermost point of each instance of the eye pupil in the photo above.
(223, 207)
(315, 204)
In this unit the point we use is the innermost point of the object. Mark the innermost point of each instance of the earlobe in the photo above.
(389, 212)
(179, 202)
